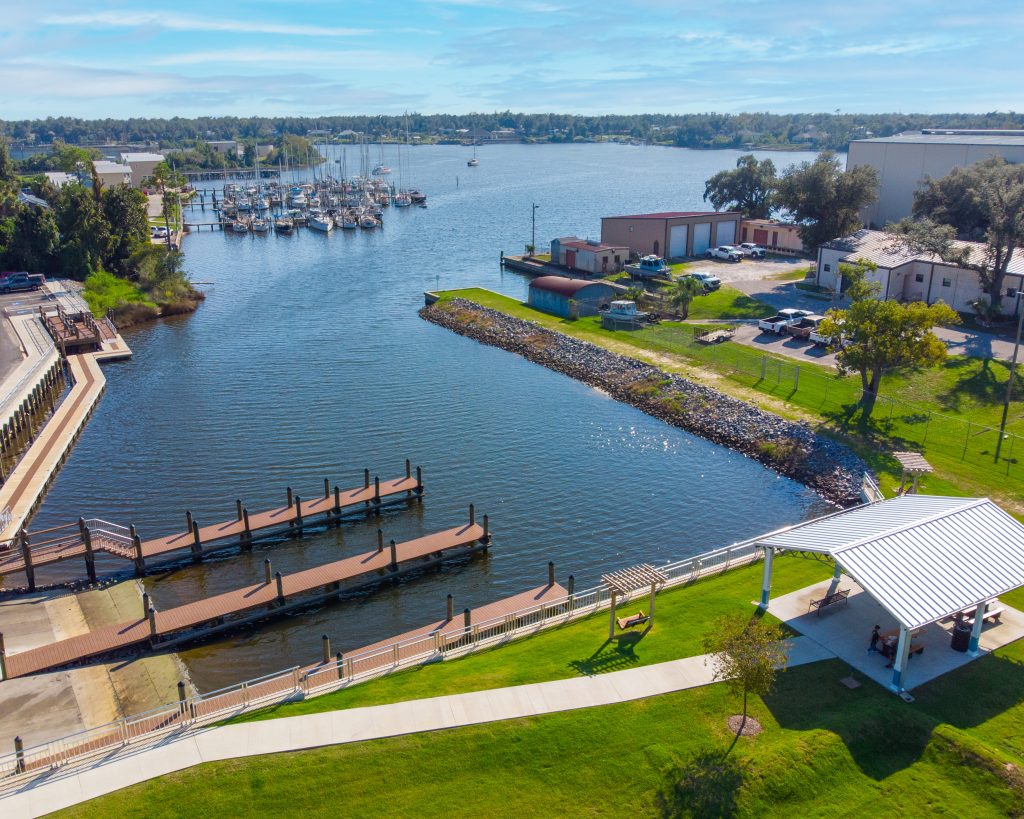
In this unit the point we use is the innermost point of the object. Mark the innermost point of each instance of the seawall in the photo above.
(791, 448)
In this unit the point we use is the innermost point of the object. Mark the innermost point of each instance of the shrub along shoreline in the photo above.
(791, 448)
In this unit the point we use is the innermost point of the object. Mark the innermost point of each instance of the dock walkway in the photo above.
(64, 543)
(274, 596)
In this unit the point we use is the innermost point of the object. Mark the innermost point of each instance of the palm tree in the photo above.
(635, 294)
(684, 291)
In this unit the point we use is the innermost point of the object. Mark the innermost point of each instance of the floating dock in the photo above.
(276, 595)
(27, 552)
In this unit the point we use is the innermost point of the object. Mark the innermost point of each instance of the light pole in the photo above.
(533, 229)
(1009, 381)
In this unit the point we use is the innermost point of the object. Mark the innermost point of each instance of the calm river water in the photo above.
(308, 361)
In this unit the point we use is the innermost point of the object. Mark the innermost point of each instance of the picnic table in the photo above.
(891, 638)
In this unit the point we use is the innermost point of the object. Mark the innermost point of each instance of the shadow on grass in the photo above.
(883, 734)
(706, 786)
(613, 655)
(983, 386)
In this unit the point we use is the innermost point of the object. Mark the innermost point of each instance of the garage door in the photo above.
(701, 238)
(677, 240)
(726, 233)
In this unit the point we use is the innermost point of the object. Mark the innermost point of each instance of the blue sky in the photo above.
(278, 57)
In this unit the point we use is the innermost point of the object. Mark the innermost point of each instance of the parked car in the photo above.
(709, 280)
(752, 250)
(824, 341)
(781, 320)
(18, 282)
(726, 252)
(157, 232)
(805, 326)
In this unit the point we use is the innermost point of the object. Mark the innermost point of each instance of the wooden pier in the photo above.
(276, 595)
(87, 537)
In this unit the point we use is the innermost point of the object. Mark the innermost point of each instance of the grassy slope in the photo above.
(683, 618)
(962, 390)
(826, 750)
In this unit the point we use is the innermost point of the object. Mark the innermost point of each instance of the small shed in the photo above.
(569, 298)
(588, 256)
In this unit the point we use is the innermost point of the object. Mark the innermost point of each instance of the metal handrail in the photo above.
(235, 699)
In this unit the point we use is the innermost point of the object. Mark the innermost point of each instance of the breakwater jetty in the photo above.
(791, 448)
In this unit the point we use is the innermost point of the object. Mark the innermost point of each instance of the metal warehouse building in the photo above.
(674, 234)
(569, 297)
(903, 161)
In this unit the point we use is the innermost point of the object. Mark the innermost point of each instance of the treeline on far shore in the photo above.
(815, 131)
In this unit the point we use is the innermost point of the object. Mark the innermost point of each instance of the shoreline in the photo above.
(790, 448)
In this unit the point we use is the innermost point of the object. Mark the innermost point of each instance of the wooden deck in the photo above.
(203, 539)
(211, 614)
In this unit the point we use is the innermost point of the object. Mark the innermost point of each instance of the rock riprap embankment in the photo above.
(791, 448)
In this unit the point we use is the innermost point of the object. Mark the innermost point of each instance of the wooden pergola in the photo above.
(914, 465)
(626, 581)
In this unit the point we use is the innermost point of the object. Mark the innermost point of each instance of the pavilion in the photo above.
(924, 559)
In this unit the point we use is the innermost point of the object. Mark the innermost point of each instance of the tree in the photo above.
(33, 242)
(124, 208)
(874, 335)
(824, 199)
(684, 291)
(750, 188)
(84, 232)
(984, 201)
(746, 652)
(6, 165)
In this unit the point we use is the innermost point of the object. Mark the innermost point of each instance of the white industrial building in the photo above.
(907, 276)
(905, 160)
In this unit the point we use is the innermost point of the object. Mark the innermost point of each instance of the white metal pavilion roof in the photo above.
(922, 557)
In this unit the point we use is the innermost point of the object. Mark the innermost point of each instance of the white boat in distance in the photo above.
(321, 221)
(381, 170)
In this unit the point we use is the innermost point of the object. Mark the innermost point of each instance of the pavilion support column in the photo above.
(899, 666)
(766, 581)
(611, 622)
(979, 621)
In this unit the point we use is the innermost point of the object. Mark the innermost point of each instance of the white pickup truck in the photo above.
(783, 319)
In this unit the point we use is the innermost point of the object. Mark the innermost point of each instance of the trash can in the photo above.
(961, 639)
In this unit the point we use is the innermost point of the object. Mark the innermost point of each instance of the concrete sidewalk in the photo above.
(134, 764)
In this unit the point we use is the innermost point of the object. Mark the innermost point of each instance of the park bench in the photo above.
(637, 619)
(834, 599)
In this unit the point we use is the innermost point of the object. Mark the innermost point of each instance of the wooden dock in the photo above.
(86, 538)
(276, 595)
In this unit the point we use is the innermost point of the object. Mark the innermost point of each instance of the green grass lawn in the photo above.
(825, 750)
(936, 405)
(728, 303)
(684, 616)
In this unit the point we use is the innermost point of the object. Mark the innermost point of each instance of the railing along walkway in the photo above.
(557, 608)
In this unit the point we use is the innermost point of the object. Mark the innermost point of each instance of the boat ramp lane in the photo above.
(276, 595)
(27, 552)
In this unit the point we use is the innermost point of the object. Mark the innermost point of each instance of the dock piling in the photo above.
(326, 642)
(419, 480)
(341, 665)
(380, 540)
(197, 544)
(472, 515)
(266, 570)
(90, 557)
(298, 513)
(337, 503)
(327, 487)
(238, 508)
(467, 619)
(570, 587)
(140, 560)
(145, 604)
(551, 573)
(376, 492)
(366, 479)
(487, 530)
(26, 556)
(280, 587)
(451, 609)
(151, 613)
(394, 556)
(188, 521)
(247, 532)
(3, 661)
(291, 498)
(181, 696)
(19, 754)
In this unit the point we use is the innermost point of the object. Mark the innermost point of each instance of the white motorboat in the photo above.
(321, 221)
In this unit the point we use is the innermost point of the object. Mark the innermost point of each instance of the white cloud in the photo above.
(177, 22)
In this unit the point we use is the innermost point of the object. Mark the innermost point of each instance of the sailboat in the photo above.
(380, 169)
(474, 161)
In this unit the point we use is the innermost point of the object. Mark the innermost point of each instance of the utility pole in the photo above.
(1009, 381)
(533, 229)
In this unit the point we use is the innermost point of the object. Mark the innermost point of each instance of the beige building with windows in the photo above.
(142, 165)
(672, 234)
(906, 276)
(112, 174)
(905, 160)
(778, 237)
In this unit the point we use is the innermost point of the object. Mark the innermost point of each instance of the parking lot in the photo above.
(797, 348)
(750, 269)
